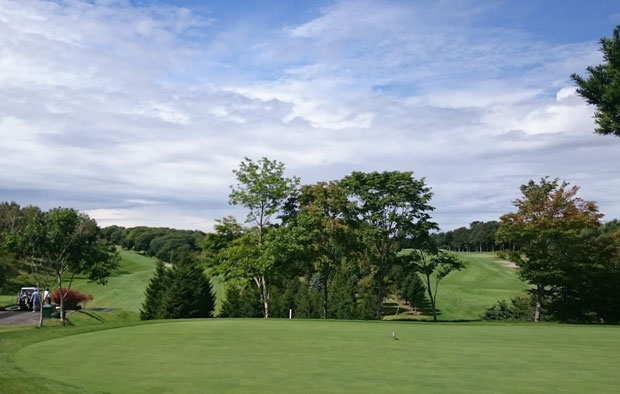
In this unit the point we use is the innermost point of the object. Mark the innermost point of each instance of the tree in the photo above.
(152, 305)
(388, 207)
(262, 189)
(328, 238)
(434, 266)
(10, 217)
(602, 86)
(547, 225)
(66, 242)
(189, 294)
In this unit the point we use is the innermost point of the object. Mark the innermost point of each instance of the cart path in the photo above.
(21, 318)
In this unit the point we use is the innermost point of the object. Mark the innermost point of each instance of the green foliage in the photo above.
(164, 243)
(342, 296)
(434, 266)
(388, 208)
(262, 189)
(189, 293)
(241, 301)
(411, 289)
(520, 309)
(547, 225)
(480, 237)
(159, 283)
(602, 86)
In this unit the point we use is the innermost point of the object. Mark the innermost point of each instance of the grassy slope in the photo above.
(467, 293)
(125, 289)
(331, 356)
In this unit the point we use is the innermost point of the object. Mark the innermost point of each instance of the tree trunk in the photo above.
(539, 296)
(62, 300)
(430, 295)
(261, 283)
(325, 297)
(379, 298)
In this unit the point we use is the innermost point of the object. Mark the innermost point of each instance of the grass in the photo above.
(6, 300)
(305, 356)
(125, 288)
(465, 294)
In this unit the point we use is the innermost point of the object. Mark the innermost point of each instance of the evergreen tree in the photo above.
(251, 306)
(189, 294)
(342, 297)
(231, 307)
(151, 307)
(241, 302)
(302, 302)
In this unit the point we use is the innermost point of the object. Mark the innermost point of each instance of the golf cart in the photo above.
(24, 298)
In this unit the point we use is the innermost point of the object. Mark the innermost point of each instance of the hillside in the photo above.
(465, 294)
(462, 295)
(125, 288)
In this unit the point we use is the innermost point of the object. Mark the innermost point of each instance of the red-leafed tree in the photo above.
(548, 223)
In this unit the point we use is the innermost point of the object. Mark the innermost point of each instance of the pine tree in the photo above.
(232, 305)
(190, 294)
(342, 297)
(151, 306)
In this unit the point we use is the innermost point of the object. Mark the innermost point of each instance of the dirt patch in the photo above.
(507, 263)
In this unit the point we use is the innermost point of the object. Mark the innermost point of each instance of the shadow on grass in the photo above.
(89, 314)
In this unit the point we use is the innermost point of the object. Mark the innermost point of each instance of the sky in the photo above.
(136, 112)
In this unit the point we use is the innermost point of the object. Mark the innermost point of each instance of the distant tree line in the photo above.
(163, 243)
(478, 237)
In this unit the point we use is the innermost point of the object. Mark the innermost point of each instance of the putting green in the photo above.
(256, 356)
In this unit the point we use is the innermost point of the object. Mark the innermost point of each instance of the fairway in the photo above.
(302, 356)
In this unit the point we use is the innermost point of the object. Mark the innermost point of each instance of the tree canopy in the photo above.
(602, 86)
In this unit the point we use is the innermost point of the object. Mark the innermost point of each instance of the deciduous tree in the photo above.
(389, 207)
(547, 225)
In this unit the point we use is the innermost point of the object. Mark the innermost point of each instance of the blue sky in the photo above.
(136, 112)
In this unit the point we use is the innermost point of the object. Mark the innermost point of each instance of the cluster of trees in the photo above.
(183, 291)
(164, 243)
(53, 246)
(331, 249)
(479, 237)
(569, 257)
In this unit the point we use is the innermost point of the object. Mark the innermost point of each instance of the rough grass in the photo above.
(305, 356)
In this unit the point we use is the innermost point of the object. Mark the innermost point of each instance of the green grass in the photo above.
(6, 300)
(467, 293)
(125, 288)
(305, 356)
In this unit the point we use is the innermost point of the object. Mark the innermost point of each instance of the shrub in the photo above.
(71, 298)
(520, 308)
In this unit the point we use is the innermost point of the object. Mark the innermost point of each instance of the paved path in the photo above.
(23, 318)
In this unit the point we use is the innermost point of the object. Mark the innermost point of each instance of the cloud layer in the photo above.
(138, 114)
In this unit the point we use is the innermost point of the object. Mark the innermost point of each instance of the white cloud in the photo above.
(138, 114)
